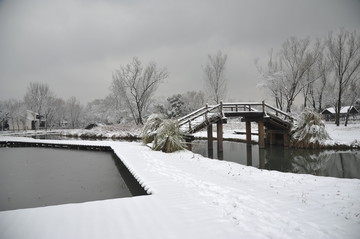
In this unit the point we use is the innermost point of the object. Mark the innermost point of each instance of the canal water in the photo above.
(341, 164)
(37, 177)
(333, 163)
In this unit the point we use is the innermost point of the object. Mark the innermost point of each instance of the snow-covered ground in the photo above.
(196, 197)
(117, 131)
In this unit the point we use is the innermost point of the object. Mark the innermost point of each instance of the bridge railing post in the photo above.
(263, 105)
(206, 111)
(221, 109)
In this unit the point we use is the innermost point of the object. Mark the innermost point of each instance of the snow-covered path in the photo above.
(197, 197)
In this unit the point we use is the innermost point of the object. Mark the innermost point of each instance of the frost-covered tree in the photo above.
(286, 73)
(344, 56)
(176, 106)
(273, 81)
(4, 115)
(179, 105)
(136, 85)
(106, 111)
(73, 112)
(16, 113)
(319, 90)
(351, 97)
(215, 80)
(193, 100)
(37, 97)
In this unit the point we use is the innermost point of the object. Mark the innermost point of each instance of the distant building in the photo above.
(329, 113)
(29, 121)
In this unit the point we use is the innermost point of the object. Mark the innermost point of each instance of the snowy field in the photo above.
(196, 197)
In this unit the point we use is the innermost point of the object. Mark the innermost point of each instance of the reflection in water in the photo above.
(342, 164)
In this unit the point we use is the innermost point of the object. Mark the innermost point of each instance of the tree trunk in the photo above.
(347, 116)
(338, 106)
(288, 107)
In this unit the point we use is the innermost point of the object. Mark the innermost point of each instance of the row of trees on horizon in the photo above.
(59, 113)
(131, 99)
(325, 72)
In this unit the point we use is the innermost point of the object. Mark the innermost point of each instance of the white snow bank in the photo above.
(344, 135)
(106, 131)
(197, 197)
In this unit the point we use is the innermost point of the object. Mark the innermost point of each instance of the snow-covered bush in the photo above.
(309, 130)
(152, 124)
(164, 133)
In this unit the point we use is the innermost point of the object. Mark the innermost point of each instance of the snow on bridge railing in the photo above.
(237, 107)
(257, 106)
(196, 114)
(277, 112)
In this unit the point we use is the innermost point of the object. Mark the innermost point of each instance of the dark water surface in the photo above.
(37, 177)
(341, 164)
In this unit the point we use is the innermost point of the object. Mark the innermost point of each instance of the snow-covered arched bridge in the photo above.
(266, 116)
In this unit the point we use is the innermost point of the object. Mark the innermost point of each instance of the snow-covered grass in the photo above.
(344, 135)
(130, 131)
(101, 131)
(196, 197)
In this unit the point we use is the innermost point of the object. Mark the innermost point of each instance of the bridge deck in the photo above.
(264, 115)
(245, 114)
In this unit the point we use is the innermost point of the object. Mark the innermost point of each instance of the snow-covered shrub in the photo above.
(168, 137)
(152, 124)
(309, 130)
(164, 133)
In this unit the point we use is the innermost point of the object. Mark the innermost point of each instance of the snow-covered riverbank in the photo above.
(197, 197)
(341, 136)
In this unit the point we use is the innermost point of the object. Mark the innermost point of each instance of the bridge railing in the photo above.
(243, 106)
(258, 107)
(202, 113)
(278, 113)
(219, 109)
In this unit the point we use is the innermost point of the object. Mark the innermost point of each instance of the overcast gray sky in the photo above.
(75, 45)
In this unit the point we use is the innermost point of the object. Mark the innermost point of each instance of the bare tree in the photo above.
(17, 113)
(344, 56)
(53, 111)
(286, 76)
(215, 81)
(296, 59)
(37, 96)
(136, 85)
(194, 100)
(273, 80)
(320, 87)
(351, 97)
(73, 111)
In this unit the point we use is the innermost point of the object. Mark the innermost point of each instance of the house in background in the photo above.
(329, 113)
(28, 121)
